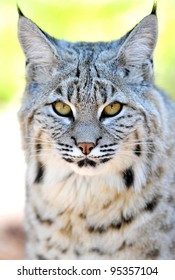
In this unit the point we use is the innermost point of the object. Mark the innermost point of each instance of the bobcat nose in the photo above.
(86, 148)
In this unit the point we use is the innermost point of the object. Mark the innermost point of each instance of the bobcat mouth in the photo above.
(86, 162)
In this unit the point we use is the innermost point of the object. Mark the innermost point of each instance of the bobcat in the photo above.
(99, 142)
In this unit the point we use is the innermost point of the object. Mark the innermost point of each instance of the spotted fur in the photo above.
(118, 201)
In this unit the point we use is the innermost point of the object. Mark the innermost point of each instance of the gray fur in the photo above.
(113, 202)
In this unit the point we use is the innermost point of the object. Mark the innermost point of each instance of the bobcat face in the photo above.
(89, 126)
(89, 103)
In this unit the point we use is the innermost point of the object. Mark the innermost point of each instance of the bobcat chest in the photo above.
(90, 221)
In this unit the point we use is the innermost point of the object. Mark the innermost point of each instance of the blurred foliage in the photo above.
(82, 20)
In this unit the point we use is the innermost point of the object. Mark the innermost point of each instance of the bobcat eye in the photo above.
(112, 110)
(62, 109)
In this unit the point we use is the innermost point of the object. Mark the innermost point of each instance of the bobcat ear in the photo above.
(20, 13)
(36, 44)
(140, 42)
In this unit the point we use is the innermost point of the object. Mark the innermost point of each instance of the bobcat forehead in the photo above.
(99, 144)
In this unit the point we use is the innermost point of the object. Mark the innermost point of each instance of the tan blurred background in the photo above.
(87, 20)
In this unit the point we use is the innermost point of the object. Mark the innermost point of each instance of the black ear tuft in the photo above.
(20, 12)
(154, 9)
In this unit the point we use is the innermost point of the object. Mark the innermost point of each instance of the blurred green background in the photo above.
(87, 20)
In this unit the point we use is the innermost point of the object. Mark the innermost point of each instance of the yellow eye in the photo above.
(62, 109)
(112, 109)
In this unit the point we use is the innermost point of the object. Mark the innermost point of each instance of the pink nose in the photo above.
(86, 148)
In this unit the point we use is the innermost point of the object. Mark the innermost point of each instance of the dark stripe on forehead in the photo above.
(59, 90)
(100, 91)
(97, 72)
